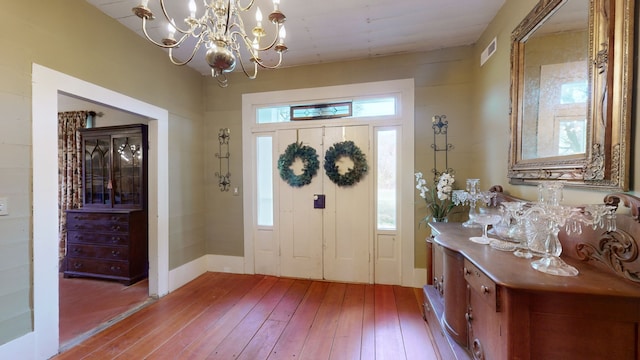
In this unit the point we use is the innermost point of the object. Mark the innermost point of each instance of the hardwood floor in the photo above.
(231, 316)
(88, 305)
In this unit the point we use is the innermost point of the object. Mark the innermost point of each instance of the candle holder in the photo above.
(545, 218)
(472, 196)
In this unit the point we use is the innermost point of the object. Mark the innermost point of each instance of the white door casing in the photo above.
(261, 243)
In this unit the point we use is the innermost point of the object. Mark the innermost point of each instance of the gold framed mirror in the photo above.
(571, 79)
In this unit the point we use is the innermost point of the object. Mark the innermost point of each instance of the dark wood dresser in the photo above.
(108, 244)
(107, 238)
(483, 303)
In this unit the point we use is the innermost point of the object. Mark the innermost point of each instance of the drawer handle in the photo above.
(115, 252)
(467, 271)
(115, 239)
(115, 228)
(468, 316)
(115, 268)
(77, 250)
(485, 289)
(77, 265)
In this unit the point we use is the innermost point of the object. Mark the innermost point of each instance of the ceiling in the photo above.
(338, 30)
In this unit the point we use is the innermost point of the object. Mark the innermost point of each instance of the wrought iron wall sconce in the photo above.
(223, 154)
(440, 126)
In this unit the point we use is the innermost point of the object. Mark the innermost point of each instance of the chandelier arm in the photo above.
(146, 34)
(193, 53)
(248, 42)
(244, 70)
(245, 8)
(194, 24)
(265, 66)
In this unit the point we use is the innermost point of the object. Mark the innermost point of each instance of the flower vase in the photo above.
(439, 219)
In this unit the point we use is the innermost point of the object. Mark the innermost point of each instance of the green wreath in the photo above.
(309, 158)
(352, 176)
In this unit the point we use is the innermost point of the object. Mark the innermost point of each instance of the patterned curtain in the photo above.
(69, 169)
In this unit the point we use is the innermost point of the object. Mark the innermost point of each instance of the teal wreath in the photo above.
(348, 149)
(309, 158)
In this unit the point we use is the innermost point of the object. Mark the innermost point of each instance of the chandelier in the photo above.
(221, 31)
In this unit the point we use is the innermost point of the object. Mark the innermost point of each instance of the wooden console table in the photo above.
(484, 303)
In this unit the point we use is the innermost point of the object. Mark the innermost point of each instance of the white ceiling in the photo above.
(337, 30)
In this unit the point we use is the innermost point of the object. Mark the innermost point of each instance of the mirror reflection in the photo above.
(556, 83)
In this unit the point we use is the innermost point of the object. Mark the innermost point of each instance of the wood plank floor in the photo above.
(90, 304)
(231, 316)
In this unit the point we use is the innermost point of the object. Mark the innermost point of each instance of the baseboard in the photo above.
(228, 264)
(235, 264)
(419, 277)
(183, 274)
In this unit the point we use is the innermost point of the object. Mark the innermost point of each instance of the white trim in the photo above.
(185, 273)
(223, 263)
(405, 117)
(43, 342)
(182, 275)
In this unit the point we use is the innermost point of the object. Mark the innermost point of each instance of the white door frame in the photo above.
(43, 342)
(405, 88)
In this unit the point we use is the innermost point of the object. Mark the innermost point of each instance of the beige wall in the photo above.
(443, 85)
(73, 37)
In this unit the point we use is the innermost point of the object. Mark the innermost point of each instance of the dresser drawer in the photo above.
(79, 237)
(481, 284)
(97, 225)
(98, 252)
(98, 221)
(81, 266)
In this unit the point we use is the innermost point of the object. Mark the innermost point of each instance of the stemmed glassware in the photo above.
(485, 219)
(514, 210)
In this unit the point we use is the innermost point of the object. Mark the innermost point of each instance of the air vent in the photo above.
(488, 51)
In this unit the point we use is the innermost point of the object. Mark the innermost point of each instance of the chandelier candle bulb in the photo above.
(192, 8)
(171, 29)
(259, 18)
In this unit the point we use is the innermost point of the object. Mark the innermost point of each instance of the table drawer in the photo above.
(81, 266)
(98, 252)
(481, 284)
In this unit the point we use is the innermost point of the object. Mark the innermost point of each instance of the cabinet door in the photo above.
(97, 159)
(127, 180)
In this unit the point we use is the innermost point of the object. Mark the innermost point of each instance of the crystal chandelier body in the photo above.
(220, 29)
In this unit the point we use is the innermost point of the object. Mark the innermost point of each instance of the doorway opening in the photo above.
(47, 85)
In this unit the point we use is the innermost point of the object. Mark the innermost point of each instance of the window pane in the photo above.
(371, 107)
(374, 107)
(273, 115)
(264, 180)
(387, 153)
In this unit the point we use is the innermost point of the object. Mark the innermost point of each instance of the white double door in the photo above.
(333, 243)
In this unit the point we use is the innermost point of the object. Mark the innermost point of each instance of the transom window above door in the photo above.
(361, 108)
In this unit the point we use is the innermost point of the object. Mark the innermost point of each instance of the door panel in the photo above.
(347, 221)
(300, 225)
